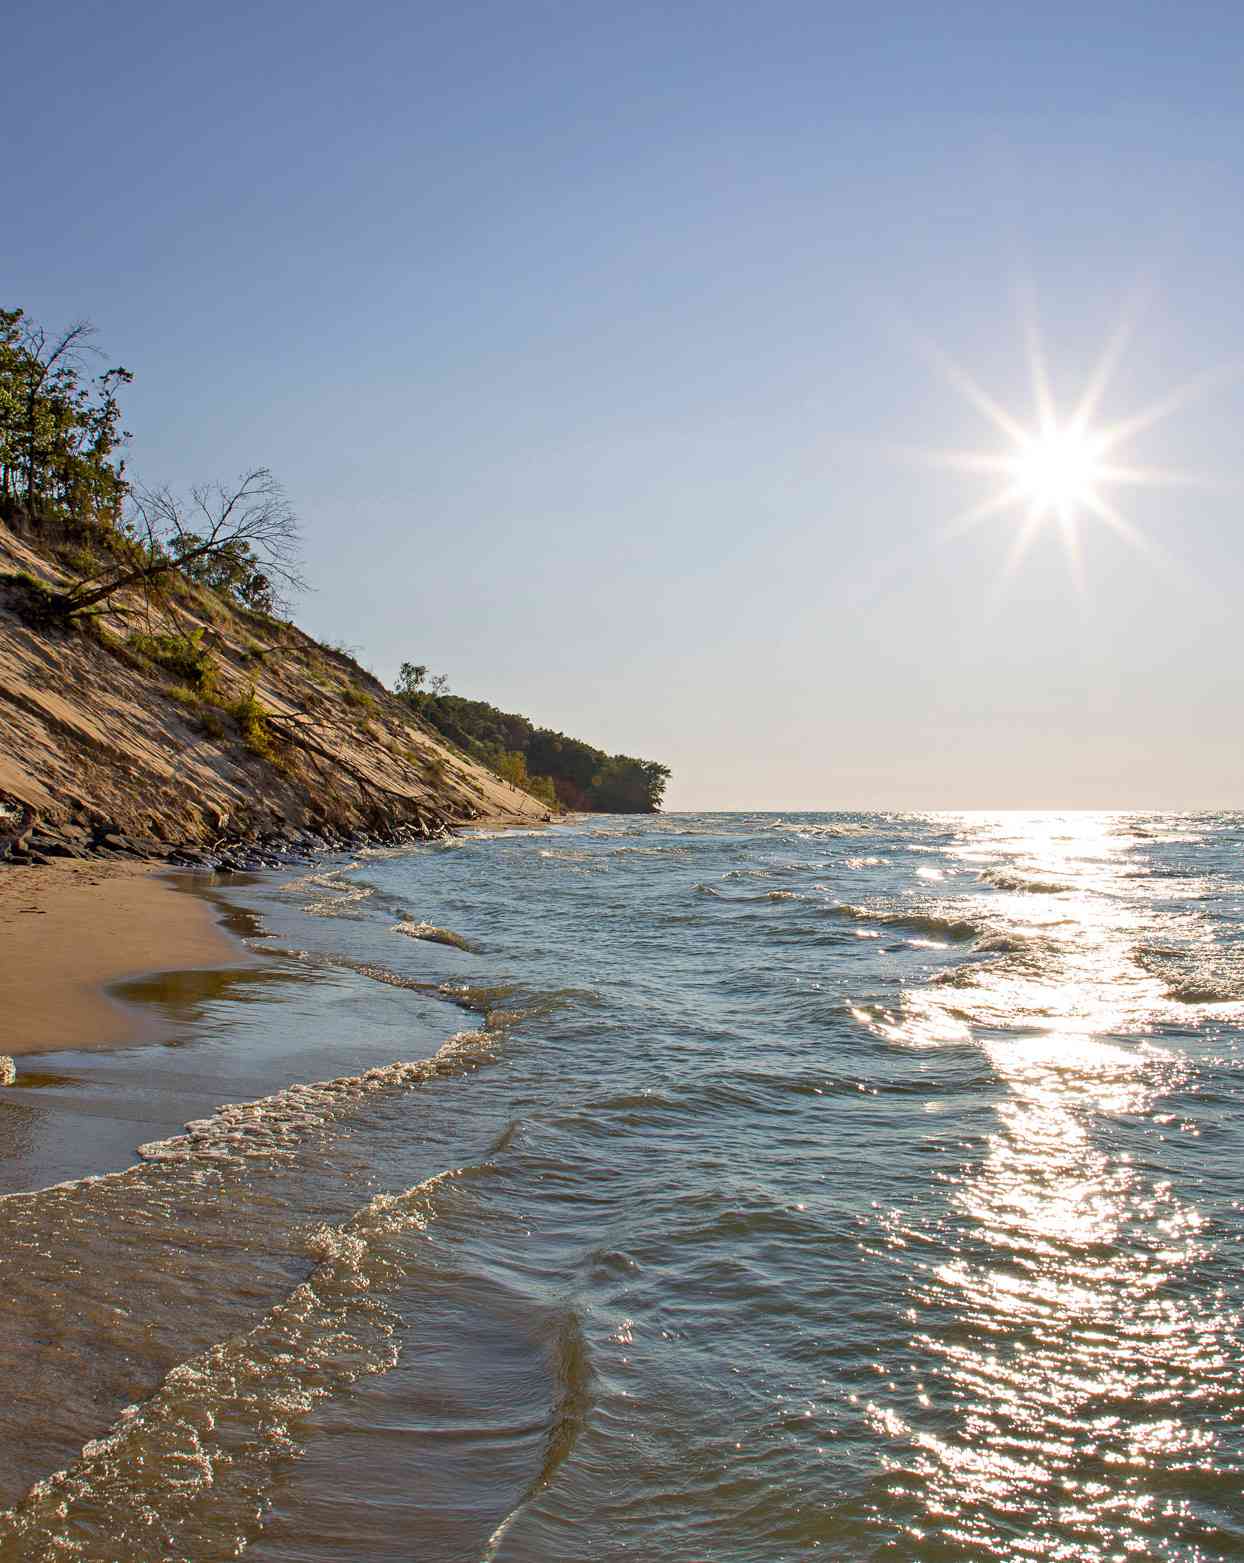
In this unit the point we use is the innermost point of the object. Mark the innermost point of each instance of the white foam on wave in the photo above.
(1207, 974)
(432, 934)
(186, 1473)
(913, 920)
(1007, 879)
(340, 898)
(470, 834)
(806, 828)
(272, 1125)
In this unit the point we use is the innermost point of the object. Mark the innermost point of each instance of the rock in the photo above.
(51, 849)
(148, 846)
(8, 1070)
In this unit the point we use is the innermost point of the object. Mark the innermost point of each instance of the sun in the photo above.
(1064, 465)
(1060, 471)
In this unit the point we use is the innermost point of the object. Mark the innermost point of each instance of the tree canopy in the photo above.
(60, 426)
(554, 767)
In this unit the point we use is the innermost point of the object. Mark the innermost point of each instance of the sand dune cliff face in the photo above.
(93, 735)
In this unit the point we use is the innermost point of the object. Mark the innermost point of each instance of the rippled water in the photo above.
(701, 1187)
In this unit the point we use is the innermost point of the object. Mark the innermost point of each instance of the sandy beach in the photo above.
(69, 929)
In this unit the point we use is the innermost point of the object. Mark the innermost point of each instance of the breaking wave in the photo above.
(958, 929)
(186, 1473)
(434, 935)
(273, 1124)
(1196, 975)
(1007, 879)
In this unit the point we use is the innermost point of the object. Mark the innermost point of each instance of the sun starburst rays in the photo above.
(1061, 467)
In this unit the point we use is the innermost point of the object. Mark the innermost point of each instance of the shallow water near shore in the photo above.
(738, 1187)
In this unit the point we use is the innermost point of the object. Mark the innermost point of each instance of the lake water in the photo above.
(733, 1187)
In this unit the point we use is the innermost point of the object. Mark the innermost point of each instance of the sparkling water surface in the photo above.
(734, 1187)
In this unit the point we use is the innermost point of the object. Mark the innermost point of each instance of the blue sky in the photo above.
(585, 340)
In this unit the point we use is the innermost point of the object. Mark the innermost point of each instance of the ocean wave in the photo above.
(958, 929)
(434, 935)
(207, 1443)
(678, 850)
(1195, 975)
(272, 1125)
(1007, 879)
(572, 1373)
(1031, 955)
(500, 1004)
(774, 871)
(342, 898)
(481, 834)
(805, 828)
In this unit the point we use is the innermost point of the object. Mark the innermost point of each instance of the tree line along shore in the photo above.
(157, 689)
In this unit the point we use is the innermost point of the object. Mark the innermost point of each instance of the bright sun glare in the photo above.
(1063, 467)
(1058, 470)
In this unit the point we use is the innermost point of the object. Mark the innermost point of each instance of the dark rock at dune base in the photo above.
(282, 847)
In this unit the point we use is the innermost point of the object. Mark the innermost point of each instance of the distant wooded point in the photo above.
(563, 772)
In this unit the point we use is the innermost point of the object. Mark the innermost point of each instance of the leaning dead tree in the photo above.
(240, 538)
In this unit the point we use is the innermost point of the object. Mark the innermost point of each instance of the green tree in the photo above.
(627, 786)
(60, 429)
(410, 679)
(512, 767)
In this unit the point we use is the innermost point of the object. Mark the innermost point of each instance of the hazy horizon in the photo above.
(594, 352)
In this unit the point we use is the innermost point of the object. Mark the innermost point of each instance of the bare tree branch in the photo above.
(248, 526)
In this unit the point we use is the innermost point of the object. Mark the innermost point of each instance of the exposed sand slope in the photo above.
(67, 928)
(87, 734)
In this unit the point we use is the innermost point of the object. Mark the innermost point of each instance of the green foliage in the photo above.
(410, 679)
(253, 725)
(544, 788)
(359, 699)
(554, 768)
(512, 767)
(626, 786)
(60, 429)
(233, 570)
(35, 600)
(81, 560)
(413, 682)
(185, 656)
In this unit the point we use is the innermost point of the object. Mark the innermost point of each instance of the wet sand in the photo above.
(69, 929)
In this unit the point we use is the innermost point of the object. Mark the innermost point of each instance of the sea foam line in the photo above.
(185, 1473)
(270, 1125)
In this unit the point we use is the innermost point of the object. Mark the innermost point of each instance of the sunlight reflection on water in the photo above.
(1072, 1365)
